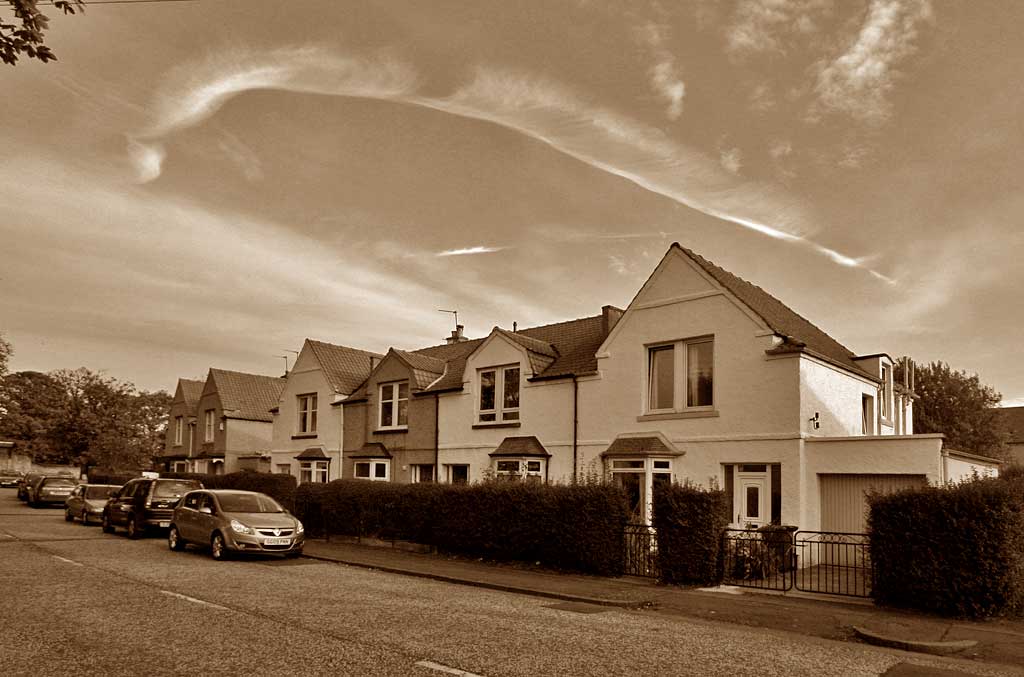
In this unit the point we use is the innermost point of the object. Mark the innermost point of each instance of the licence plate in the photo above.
(164, 525)
(277, 541)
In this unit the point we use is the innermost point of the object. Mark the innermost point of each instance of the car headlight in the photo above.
(240, 528)
(298, 527)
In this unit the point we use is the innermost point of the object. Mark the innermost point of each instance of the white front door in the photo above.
(751, 504)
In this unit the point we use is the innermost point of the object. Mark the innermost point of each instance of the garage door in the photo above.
(843, 502)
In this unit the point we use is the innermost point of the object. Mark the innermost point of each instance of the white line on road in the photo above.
(444, 668)
(69, 561)
(194, 600)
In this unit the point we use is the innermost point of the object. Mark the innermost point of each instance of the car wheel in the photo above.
(106, 526)
(133, 528)
(218, 550)
(174, 541)
(68, 517)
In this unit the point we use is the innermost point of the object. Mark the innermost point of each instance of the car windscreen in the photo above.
(248, 503)
(99, 491)
(59, 482)
(173, 488)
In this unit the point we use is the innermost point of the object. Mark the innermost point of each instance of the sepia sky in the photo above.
(207, 183)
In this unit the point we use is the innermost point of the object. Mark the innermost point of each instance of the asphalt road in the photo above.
(77, 601)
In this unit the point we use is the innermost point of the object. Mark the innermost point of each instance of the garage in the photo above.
(843, 502)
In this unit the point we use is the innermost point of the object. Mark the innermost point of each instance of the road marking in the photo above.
(69, 561)
(194, 600)
(431, 665)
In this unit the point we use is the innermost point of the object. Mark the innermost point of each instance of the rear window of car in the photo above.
(98, 491)
(174, 488)
(248, 503)
(58, 482)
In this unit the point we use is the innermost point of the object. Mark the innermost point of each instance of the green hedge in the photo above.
(955, 550)
(278, 485)
(576, 528)
(107, 476)
(690, 521)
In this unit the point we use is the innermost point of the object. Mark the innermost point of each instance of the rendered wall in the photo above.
(245, 437)
(835, 395)
(961, 469)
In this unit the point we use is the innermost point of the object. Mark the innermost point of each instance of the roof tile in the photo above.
(249, 397)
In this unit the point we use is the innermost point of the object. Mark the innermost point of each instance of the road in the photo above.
(78, 601)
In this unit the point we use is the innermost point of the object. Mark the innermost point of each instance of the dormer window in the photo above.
(394, 405)
(499, 395)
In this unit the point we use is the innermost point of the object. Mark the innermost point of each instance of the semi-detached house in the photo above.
(704, 378)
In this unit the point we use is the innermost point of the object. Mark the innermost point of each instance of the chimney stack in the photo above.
(456, 336)
(609, 316)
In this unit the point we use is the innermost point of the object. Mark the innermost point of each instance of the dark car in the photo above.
(9, 479)
(50, 490)
(87, 500)
(25, 483)
(229, 521)
(145, 503)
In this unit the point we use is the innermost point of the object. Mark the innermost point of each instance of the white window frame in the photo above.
(394, 403)
(680, 377)
(525, 469)
(314, 471)
(867, 414)
(372, 465)
(283, 468)
(180, 466)
(306, 405)
(417, 473)
(209, 425)
(179, 429)
(647, 467)
(886, 399)
(500, 412)
(448, 471)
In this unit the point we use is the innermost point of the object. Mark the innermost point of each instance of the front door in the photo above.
(752, 499)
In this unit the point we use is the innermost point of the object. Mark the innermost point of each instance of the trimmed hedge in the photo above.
(690, 521)
(276, 485)
(955, 550)
(106, 476)
(578, 527)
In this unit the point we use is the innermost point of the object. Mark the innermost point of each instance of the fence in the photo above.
(640, 545)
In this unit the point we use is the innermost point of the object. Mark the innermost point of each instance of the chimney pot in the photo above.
(456, 336)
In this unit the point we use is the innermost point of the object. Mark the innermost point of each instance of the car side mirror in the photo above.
(206, 510)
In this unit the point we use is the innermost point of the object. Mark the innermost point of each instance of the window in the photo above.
(494, 408)
(179, 426)
(638, 477)
(208, 421)
(284, 468)
(423, 472)
(887, 392)
(313, 471)
(680, 376)
(457, 473)
(377, 471)
(394, 405)
(180, 466)
(867, 414)
(307, 414)
(520, 469)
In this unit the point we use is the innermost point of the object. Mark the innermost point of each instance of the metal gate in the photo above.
(640, 551)
(833, 563)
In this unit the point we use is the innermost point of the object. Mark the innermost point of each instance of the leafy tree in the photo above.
(31, 405)
(961, 407)
(6, 350)
(27, 33)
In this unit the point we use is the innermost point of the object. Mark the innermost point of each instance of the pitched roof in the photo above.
(1013, 420)
(370, 450)
(527, 445)
(782, 319)
(313, 454)
(247, 396)
(191, 391)
(345, 368)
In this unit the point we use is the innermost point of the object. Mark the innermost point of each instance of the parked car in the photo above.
(50, 490)
(145, 503)
(26, 481)
(87, 500)
(229, 521)
(9, 479)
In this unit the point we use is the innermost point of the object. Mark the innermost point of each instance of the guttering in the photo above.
(575, 425)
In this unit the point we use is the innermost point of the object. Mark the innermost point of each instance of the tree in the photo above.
(31, 406)
(27, 33)
(6, 350)
(961, 407)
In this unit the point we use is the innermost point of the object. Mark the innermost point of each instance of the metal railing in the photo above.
(834, 563)
(640, 548)
(756, 559)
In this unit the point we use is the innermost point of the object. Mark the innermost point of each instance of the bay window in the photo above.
(313, 471)
(377, 471)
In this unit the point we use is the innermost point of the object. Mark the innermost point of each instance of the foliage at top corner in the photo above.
(25, 32)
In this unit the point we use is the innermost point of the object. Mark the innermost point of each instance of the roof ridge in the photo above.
(520, 330)
(339, 345)
(242, 373)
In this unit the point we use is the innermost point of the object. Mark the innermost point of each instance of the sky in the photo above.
(208, 183)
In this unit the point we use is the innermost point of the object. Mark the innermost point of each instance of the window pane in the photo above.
(509, 416)
(403, 412)
(426, 473)
(312, 424)
(387, 392)
(386, 415)
(628, 464)
(380, 470)
(533, 466)
(753, 500)
(511, 388)
(699, 360)
(403, 391)
(460, 474)
(486, 391)
(508, 466)
(362, 470)
(662, 377)
(666, 465)
(488, 417)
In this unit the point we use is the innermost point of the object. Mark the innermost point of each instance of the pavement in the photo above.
(998, 641)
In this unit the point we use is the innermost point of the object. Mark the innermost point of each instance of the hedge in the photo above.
(569, 527)
(278, 485)
(955, 550)
(689, 521)
(107, 476)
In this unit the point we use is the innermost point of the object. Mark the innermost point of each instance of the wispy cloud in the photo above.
(468, 251)
(858, 82)
(760, 26)
(731, 159)
(665, 75)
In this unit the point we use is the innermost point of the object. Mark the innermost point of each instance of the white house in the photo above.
(307, 430)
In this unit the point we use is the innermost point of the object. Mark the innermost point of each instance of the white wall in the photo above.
(961, 468)
(835, 395)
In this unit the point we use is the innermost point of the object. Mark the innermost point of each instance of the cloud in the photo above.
(665, 77)
(857, 82)
(731, 159)
(766, 26)
(148, 158)
(469, 251)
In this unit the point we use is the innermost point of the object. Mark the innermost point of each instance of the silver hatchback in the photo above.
(230, 521)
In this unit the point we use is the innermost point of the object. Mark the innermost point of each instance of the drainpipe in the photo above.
(437, 453)
(575, 425)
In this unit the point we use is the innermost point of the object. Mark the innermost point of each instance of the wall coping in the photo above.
(876, 438)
